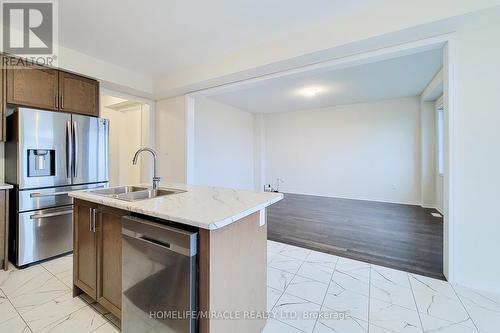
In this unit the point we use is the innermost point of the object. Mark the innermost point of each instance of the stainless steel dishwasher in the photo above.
(159, 277)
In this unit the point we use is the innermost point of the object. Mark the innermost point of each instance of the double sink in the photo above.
(134, 193)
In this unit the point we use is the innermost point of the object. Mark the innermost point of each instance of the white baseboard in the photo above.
(413, 203)
(439, 210)
(432, 206)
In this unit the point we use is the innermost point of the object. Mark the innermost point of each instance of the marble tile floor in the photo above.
(39, 299)
(330, 294)
(307, 291)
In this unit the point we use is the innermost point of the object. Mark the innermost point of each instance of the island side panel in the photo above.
(233, 274)
(204, 278)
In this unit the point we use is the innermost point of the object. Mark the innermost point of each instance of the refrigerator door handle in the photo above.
(43, 195)
(55, 194)
(69, 150)
(75, 149)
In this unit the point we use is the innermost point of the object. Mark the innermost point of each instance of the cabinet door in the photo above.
(85, 248)
(109, 258)
(78, 94)
(32, 86)
(2, 99)
(4, 228)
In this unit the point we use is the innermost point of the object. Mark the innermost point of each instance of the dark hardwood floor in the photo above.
(403, 237)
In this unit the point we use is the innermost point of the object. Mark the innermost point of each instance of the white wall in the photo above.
(223, 145)
(439, 190)
(124, 140)
(147, 140)
(2, 167)
(171, 139)
(110, 75)
(428, 153)
(475, 159)
(432, 181)
(361, 151)
(259, 151)
(439, 178)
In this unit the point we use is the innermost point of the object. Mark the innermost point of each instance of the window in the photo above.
(440, 139)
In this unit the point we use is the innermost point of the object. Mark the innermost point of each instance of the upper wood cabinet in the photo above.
(32, 86)
(50, 89)
(78, 94)
(2, 100)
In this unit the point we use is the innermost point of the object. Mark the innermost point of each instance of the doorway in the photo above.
(129, 130)
(339, 187)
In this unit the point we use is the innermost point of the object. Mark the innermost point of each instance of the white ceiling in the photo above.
(393, 78)
(156, 37)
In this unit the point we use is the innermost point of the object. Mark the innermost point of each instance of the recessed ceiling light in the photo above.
(311, 91)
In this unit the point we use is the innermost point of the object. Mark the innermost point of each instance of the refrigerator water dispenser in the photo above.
(41, 162)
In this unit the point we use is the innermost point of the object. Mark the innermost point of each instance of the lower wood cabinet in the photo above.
(4, 228)
(3, 102)
(85, 248)
(98, 254)
(109, 258)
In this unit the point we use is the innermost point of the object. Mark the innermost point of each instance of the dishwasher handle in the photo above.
(169, 238)
(151, 241)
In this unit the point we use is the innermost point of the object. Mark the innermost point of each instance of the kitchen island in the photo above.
(231, 231)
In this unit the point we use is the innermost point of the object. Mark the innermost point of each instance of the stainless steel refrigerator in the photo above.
(47, 155)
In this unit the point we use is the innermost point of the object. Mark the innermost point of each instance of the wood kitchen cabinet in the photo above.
(85, 248)
(2, 100)
(97, 263)
(78, 94)
(50, 89)
(32, 86)
(109, 258)
(160, 273)
(4, 228)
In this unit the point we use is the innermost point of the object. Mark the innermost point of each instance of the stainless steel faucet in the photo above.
(156, 179)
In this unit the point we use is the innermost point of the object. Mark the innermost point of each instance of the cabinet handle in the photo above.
(56, 99)
(92, 219)
(62, 102)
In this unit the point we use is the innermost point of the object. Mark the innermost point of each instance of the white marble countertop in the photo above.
(5, 186)
(204, 207)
